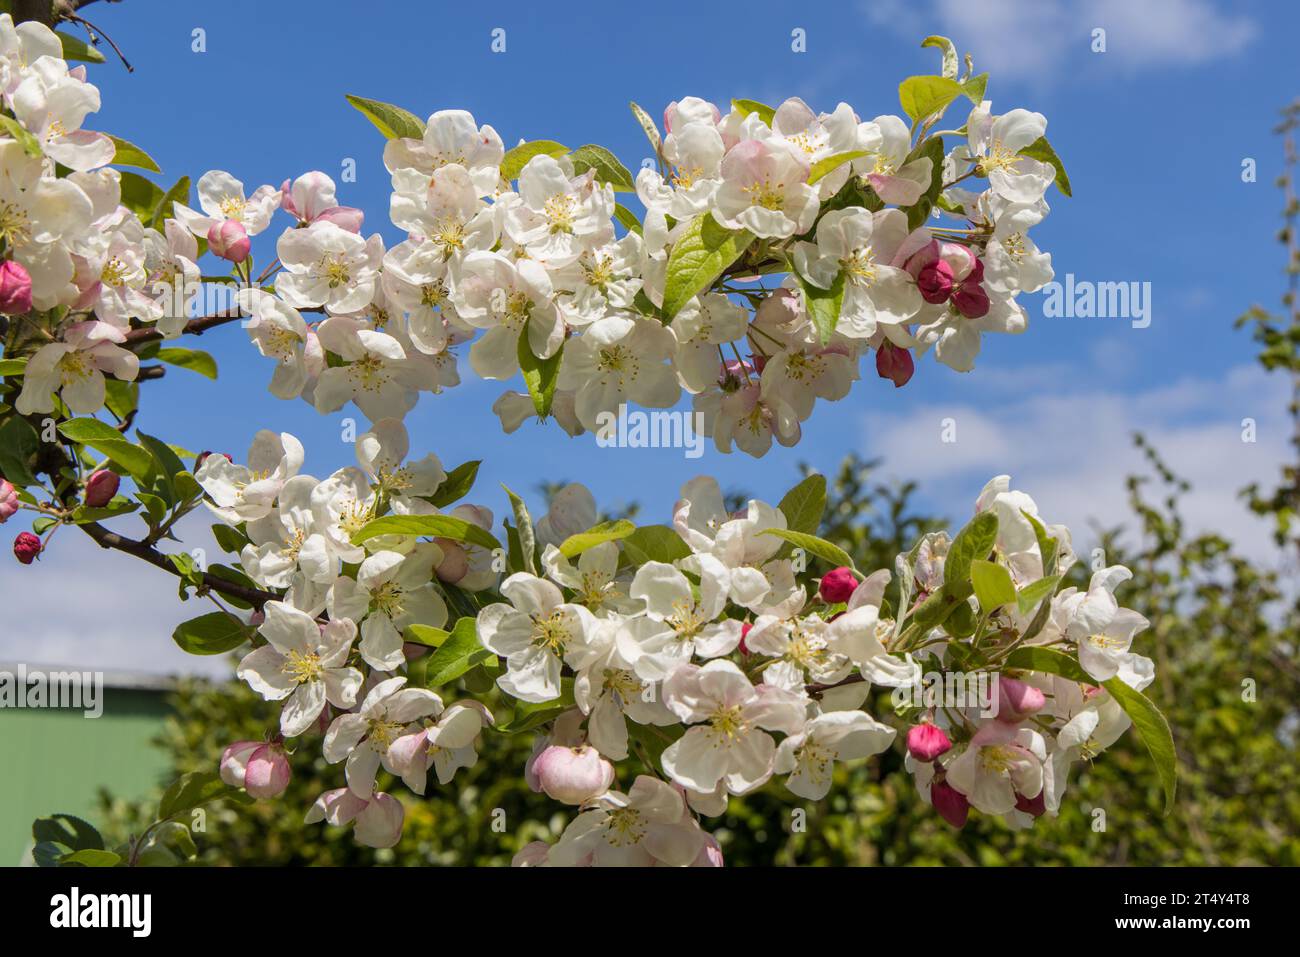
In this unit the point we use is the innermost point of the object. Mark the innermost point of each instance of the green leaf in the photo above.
(951, 63)
(745, 107)
(827, 551)
(141, 196)
(196, 360)
(1047, 546)
(1028, 597)
(119, 505)
(1151, 725)
(516, 159)
(457, 655)
(528, 715)
(1042, 151)
(229, 539)
(74, 48)
(804, 505)
(974, 88)
(540, 375)
(30, 144)
(526, 559)
(823, 305)
(608, 168)
(975, 541)
(91, 858)
(920, 210)
(604, 532)
(457, 484)
(392, 121)
(434, 526)
(654, 543)
(212, 634)
(12, 367)
(993, 585)
(179, 193)
(127, 153)
(923, 96)
(698, 257)
(936, 609)
(627, 218)
(647, 126)
(107, 440)
(425, 635)
(19, 444)
(68, 830)
(833, 162)
(192, 790)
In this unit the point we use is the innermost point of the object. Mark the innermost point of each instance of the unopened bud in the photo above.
(26, 547)
(837, 585)
(15, 289)
(927, 741)
(573, 775)
(101, 487)
(894, 364)
(950, 803)
(8, 501)
(229, 240)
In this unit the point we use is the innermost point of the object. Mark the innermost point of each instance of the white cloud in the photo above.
(1070, 448)
(1038, 39)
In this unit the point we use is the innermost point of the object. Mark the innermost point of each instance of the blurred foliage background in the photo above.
(1223, 635)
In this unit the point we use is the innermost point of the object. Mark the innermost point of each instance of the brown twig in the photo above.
(195, 327)
(107, 539)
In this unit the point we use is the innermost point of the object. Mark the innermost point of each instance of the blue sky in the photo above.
(1153, 132)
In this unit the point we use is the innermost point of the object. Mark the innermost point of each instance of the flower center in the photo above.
(766, 194)
(559, 212)
(302, 667)
(15, 227)
(729, 724)
(232, 207)
(387, 599)
(624, 827)
(551, 633)
(335, 270)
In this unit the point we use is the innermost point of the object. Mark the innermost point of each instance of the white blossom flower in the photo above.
(242, 493)
(303, 662)
(364, 737)
(730, 717)
(390, 591)
(676, 624)
(647, 825)
(535, 633)
(809, 755)
(221, 197)
(74, 368)
(326, 265)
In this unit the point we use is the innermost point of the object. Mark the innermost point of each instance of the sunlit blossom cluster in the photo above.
(777, 248)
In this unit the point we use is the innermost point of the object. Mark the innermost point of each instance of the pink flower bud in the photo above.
(229, 240)
(837, 585)
(744, 630)
(934, 281)
(26, 547)
(895, 364)
(970, 299)
(1035, 805)
(15, 288)
(573, 775)
(268, 772)
(8, 501)
(259, 768)
(927, 741)
(950, 803)
(455, 562)
(1017, 700)
(101, 487)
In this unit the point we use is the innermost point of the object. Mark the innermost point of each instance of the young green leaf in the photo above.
(823, 305)
(923, 96)
(196, 360)
(392, 121)
(608, 168)
(698, 257)
(951, 62)
(457, 484)
(516, 159)
(127, 153)
(827, 551)
(433, 526)
(992, 583)
(975, 541)
(526, 559)
(654, 543)
(540, 375)
(457, 655)
(1042, 151)
(575, 545)
(804, 505)
(745, 107)
(830, 163)
(212, 634)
